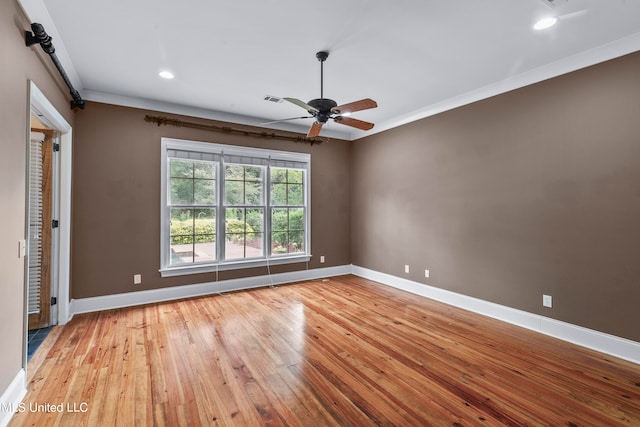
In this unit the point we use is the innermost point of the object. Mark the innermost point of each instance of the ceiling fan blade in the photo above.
(314, 130)
(363, 104)
(354, 123)
(285, 120)
(302, 104)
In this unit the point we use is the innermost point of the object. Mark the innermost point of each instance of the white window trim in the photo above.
(166, 270)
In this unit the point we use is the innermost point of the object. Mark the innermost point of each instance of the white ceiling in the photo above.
(414, 57)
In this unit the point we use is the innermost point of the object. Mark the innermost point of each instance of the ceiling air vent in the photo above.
(272, 98)
(553, 3)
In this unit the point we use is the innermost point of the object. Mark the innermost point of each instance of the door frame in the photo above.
(49, 115)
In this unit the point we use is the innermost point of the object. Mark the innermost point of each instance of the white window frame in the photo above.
(168, 270)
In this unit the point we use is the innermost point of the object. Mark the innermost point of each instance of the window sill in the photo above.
(235, 265)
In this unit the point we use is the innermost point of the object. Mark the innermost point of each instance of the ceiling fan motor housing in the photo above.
(324, 106)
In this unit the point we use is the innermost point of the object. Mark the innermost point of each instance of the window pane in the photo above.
(279, 242)
(254, 246)
(255, 219)
(180, 168)
(234, 246)
(239, 246)
(181, 236)
(234, 221)
(253, 193)
(294, 176)
(284, 242)
(181, 191)
(296, 219)
(204, 192)
(205, 222)
(296, 241)
(234, 172)
(279, 219)
(234, 193)
(204, 170)
(205, 248)
(181, 222)
(253, 173)
(278, 175)
(279, 194)
(295, 194)
(182, 250)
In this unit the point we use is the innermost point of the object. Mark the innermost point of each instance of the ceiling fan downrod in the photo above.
(322, 56)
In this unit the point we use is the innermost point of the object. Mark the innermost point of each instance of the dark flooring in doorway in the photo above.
(34, 339)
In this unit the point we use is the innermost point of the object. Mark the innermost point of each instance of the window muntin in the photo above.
(232, 207)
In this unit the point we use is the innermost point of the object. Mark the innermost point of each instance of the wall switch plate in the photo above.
(426, 273)
(22, 248)
(321, 259)
(406, 268)
(547, 301)
(137, 279)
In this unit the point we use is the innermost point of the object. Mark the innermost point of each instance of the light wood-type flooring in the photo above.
(340, 352)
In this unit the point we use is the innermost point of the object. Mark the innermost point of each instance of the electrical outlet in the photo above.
(426, 273)
(547, 301)
(406, 268)
(137, 279)
(321, 259)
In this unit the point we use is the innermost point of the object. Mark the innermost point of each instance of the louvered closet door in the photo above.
(40, 207)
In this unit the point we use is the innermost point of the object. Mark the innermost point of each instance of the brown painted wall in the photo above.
(530, 192)
(18, 64)
(116, 205)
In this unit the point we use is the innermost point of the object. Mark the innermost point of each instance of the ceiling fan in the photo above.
(323, 109)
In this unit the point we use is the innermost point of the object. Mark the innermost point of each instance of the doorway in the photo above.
(48, 219)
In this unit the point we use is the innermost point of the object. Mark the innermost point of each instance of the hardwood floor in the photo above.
(345, 352)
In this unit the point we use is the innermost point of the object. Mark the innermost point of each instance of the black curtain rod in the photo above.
(40, 36)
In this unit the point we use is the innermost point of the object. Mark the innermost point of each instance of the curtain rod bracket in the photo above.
(41, 37)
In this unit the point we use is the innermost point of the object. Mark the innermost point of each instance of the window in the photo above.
(192, 201)
(244, 205)
(231, 207)
(287, 211)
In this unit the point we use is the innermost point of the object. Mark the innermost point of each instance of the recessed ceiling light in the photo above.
(166, 75)
(545, 23)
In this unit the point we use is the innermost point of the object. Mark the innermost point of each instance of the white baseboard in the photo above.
(86, 305)
(12, 397)
(599, 341)
(595, 340)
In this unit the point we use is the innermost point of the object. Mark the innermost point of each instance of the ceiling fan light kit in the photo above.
(323, 109)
